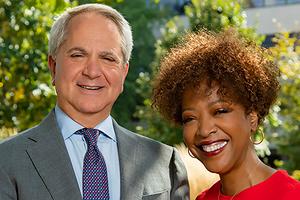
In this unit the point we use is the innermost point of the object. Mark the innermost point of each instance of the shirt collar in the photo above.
(68, 126)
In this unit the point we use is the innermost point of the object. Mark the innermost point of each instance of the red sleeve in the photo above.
(201, 195)
(294, 193)
(210, 193)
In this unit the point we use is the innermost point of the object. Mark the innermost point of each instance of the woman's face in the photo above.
(216, 131)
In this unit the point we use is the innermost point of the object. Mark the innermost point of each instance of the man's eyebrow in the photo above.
(111, 54)
(107, 53)
(76, 49)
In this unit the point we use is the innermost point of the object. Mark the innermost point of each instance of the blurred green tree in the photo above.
(287, 132)
(24, 85)
(208, 14)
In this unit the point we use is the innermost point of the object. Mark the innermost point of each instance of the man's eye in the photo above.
(76, 55)
(110, 59)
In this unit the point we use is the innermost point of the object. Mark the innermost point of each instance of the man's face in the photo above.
(88, 71)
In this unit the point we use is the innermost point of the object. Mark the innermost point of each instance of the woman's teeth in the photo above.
(214, 146)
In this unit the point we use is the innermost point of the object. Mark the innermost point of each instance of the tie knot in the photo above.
(90, 135)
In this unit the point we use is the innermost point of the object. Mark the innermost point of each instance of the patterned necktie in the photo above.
(94, 177)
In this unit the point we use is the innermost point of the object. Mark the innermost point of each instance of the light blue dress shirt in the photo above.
(77, 148)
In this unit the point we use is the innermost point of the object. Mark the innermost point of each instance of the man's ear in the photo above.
(125, 72)
(126, 68)
(253, 120)
(52, 68)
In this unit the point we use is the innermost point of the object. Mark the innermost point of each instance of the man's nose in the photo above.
(92, 68)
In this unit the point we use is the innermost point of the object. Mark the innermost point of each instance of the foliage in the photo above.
(144, 18)
(208, 14)
(296, 174)
(7, 132)
(25, 81)
(287, 55)
(25, 92)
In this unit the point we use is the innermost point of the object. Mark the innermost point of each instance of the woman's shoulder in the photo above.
(292, 185)
(284, 184)
(282, 177)
(210, 193)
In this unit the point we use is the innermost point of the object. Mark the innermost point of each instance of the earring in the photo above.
(258, 134)
(191, 154)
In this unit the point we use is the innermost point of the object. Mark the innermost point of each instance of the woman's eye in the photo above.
(186, 120)
(221, 111)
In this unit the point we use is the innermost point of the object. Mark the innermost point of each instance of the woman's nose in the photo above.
(206, 128)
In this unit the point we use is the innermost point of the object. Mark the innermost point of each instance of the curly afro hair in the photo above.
(242, 70)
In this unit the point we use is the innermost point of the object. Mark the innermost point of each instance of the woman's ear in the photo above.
(253, 121)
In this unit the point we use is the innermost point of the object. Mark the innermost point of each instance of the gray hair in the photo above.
(59, 28)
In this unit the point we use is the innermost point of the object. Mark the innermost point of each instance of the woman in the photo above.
(220, 87)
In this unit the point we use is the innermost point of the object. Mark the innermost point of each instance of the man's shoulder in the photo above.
(145, 147)
(16, 141)
(21, 140)
(13, 149)
(145, 141)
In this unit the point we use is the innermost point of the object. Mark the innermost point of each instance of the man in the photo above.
(78, 151)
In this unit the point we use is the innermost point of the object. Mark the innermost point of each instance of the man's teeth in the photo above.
(90, 87)
(214, 146)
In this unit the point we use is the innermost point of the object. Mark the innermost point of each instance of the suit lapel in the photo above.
(51, 160)
(131, 187)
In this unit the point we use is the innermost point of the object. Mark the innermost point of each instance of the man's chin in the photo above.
(90, 109)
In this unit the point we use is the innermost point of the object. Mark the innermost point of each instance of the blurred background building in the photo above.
(268, 16)
(273, 16)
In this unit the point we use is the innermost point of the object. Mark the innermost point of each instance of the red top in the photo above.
(280, 186)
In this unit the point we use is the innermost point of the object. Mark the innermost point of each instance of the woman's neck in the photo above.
(247, 174)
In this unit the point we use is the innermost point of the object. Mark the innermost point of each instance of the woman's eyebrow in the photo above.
(216, 102)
